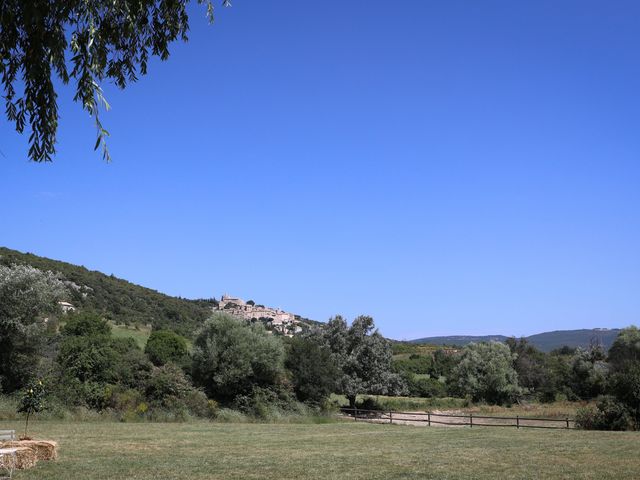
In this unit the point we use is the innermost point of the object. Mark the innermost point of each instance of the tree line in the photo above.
(516, 371)
(230, 363)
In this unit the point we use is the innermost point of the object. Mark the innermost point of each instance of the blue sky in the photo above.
(447, 167)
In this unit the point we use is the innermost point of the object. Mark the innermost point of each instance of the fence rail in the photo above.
(455, 419)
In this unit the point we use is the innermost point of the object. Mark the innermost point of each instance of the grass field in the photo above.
(140, 334)
(196, 451)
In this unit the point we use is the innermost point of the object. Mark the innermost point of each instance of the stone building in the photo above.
(279, 320)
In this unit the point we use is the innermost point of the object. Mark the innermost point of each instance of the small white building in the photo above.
(66, 307)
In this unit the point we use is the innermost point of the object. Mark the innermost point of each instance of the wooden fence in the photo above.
(458, 420)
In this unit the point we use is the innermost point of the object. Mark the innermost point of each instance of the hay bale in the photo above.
(44, 449)
(25, 458)
(21, 458)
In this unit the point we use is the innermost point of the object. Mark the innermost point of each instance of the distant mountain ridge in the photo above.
(545, 341)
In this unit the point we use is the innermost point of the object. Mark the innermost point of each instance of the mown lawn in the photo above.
(147, 451)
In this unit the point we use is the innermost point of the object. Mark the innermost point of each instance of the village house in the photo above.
(66, 307)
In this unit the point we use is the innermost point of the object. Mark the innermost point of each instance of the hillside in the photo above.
(546, 341)
(123, 302)
(119, 300)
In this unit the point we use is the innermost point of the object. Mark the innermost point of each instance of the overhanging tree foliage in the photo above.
(84, 42)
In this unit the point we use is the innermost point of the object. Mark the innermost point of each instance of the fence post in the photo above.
(471, 420)
(390, 416)
(567, 422)
(517, 421)
(429, 418)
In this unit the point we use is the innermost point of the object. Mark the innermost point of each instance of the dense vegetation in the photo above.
(231, 363)
(516, 371)
(116, 299)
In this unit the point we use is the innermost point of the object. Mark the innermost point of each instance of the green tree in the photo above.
(98, 39)
(230, 358)
(90, 359)
(485, 373)
(27, 295)
(164, 346)
(588, 373)
(313, 371)
(85, 324)
(624, 359)
(364, 358)
(32, 402)
(625, 350)
(531, 367)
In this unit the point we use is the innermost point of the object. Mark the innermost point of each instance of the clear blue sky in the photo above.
(447, 167)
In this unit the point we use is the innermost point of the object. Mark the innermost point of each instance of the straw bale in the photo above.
(25, 458)
(44, 449)
(22, 458)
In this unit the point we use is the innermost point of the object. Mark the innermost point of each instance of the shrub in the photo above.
(167, 381)
(168, 388)
(165, 346)
(268, 404)
(227, 415)
(85, 324)
(608, 414)
(427, 387)
(369, 403)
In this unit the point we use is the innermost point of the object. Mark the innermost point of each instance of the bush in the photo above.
(608, 414)
(426, 387)
(165, 346)
(167, 381)
(85, 324)
(268, 404)
(227, 415)
(369, 403)
(168, 388)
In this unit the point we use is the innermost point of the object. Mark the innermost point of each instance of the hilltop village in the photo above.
(275, 320)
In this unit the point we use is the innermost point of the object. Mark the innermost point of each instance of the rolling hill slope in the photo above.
(119, 300)
(546, 341)
(123, 302)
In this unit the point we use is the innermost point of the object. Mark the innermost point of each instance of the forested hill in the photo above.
(117, 299)
(546, 341)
